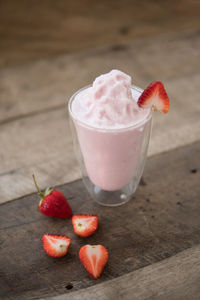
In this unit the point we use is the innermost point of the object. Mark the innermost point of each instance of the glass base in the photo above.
(109, 198)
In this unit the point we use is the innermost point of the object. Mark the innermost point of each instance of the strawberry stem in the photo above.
(37, 187)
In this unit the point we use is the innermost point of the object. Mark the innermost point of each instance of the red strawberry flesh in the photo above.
(55, 245)
(84, 225)
(55, 205)
(155, 97)
(94, 259)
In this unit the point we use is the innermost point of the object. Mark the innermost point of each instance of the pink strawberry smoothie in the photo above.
(110, 128)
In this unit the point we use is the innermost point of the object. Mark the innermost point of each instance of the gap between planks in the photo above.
(153, 230)
(32, 143)
(175, 278)
(50, 82)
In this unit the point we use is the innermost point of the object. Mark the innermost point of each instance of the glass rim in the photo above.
(84, 124)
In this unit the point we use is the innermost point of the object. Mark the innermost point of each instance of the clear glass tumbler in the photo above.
(111, 160)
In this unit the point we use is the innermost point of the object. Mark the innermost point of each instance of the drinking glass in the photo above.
(111, 160)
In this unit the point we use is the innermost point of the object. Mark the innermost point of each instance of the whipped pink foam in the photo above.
(109, 103)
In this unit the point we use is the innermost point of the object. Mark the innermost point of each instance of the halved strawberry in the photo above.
(155, 96)
(85, 225)
(56, 245)
(94, 258)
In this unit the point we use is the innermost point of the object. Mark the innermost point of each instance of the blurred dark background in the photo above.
(34, 29)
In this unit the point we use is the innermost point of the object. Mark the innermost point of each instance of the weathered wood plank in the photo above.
(54, 27)
(48, 84)
(42, 143)
(33, 98)
(175, 278)
(161, 220)
(28, 90)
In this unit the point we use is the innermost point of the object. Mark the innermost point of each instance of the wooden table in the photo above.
(153, 240)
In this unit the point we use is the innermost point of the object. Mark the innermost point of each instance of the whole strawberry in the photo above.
(53, 203)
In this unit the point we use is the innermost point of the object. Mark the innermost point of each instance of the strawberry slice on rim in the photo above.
(155, 97)
(55, 245)
(84, 225)
(94, 259)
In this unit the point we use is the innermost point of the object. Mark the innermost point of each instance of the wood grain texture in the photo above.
(42, 29)
(174, 278)
(43, 146)
(34, 132)
(48, 84)
(160, 221)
